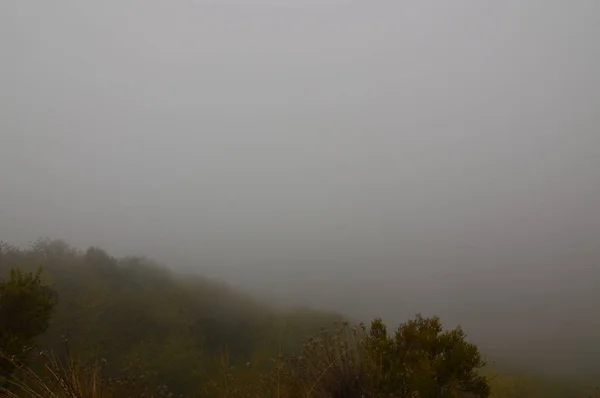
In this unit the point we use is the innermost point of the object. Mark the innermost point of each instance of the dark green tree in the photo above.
(26, 305)
(421, 357)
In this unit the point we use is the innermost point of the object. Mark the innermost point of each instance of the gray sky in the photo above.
(391, 156)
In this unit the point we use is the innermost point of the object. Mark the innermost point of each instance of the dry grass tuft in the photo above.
(68, 378)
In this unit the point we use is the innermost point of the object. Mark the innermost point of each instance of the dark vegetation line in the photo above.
(86, 324)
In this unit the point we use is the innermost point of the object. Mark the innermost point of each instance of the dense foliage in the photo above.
(421, 356)
(132, 312)
(128, 327)
(25, 308)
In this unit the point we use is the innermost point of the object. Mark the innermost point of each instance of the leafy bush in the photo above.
(25, 308)
(419, 359)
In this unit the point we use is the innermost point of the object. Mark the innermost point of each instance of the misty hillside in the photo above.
(245, 171)
(175, 327)
(129, 309)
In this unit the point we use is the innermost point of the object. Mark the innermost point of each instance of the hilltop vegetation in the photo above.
(131, 310)
(135, 325)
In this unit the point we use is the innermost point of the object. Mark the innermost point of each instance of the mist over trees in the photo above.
(228, 177)
(186, 334)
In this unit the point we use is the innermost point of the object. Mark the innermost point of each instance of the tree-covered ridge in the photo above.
(142, 329)
(131, 309)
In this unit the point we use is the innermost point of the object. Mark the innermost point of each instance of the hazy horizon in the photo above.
(374, 159)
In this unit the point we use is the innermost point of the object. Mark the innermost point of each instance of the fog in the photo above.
(376, 158)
